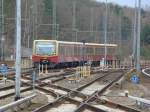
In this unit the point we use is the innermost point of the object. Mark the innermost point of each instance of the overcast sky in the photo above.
(128, 2)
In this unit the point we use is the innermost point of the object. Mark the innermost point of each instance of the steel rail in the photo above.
(7, 87)
(97, 93)
(45, 107)
(16, 103)
(13, 93)
(95, 96)
(60, 98)
(85, 102)
(144, 71)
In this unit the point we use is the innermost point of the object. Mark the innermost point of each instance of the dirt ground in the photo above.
(141, 90)
(73, 85)
(6, 83)
(36, 102)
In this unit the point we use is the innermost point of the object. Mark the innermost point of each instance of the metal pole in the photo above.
(1, 20)
(74, 20)
(105, 57)
(120, 35)
(15, 104)
(2, 30)
(92, 22)
(34, 78)
(76, 35)
(74, 16)
(54, 19)
(18, 49)
(57, 33)
(35, 17)
(26, 24)
(138, 36)
(29, 28)
(2, 43)
(83, 51)
(135, 35)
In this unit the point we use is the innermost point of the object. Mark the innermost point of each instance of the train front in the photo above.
(44, 53)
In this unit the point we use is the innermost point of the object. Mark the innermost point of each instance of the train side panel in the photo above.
(72, 52)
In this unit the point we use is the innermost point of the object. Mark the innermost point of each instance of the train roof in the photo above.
(80, 43)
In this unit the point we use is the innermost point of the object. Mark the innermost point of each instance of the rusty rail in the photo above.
(86, 98)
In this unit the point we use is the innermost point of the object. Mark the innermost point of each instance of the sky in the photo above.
(130, 3)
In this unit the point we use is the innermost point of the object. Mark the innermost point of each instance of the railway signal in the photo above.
(4, 71)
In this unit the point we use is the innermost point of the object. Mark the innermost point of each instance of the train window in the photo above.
(89, 51)
(45, 48)
(61, 50)
(99, 51)
(111, 50)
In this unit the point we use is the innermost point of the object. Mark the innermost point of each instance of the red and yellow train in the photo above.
(63, 53)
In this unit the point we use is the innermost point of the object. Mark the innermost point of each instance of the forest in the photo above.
(76, 20)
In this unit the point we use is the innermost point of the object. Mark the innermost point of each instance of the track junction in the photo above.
(62, 94)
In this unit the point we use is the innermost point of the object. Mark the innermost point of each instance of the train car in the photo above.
(62, 53)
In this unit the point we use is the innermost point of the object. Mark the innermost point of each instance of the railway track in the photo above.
(77, 100)
(146, 72)
(26, 77)
(26, 80)
(60, 96)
